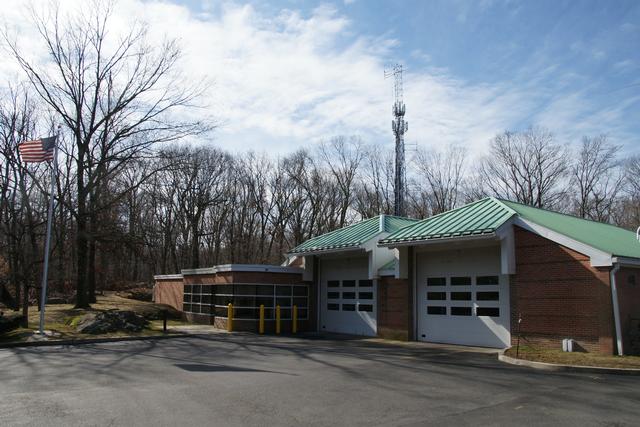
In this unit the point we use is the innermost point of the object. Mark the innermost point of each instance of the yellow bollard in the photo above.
(230, 318)
(277, 319)
(261, 318)
(294, 327)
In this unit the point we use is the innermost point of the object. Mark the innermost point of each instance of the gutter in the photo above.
(616, 307)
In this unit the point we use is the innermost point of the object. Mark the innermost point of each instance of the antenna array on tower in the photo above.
(399, 127)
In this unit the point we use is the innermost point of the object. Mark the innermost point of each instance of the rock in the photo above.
(111, 321)
(9, 322)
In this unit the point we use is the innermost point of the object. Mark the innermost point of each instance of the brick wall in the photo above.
(559, 295)
(628, 285)
(170, 292)
(394, 311)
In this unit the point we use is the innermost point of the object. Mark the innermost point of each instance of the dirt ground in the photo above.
(63, 318)
(537, 354)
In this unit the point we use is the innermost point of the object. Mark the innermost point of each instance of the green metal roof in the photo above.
(605, 237)
(353, 235)
(477, 218)
(487, 215)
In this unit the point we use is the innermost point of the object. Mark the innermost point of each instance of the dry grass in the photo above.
(559, 357)
(63, 319)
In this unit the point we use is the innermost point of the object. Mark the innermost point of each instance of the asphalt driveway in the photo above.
(253, 380)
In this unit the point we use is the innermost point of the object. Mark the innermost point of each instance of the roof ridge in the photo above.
(458, 208)
(561, 213)
(401, 217)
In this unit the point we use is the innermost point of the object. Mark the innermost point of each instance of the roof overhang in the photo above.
(251, 268)
(597, 257)
(421, 242)
(627, 262)
(168, 277)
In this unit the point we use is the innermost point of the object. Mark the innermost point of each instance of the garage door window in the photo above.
(333, 283)
(348, 307)
(487, 296)
(461, 296)
(436, 281)
(433, 309)
(365, 283)
(488, 311)
(461, 281)
(348, 295)
(365, 307)
(461, 311)
(333, 306)
(436, 296)
(365, 295)
(487, 280)
(348, 283)
(333, 295)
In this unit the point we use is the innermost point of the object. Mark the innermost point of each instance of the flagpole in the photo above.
(47, 244)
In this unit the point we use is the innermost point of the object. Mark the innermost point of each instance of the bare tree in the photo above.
(528, 167)
(443, 172)
(113, 95)
(342, 157)
(597, 178)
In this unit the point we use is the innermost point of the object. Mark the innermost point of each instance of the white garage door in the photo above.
(347, 297)
(462, 298)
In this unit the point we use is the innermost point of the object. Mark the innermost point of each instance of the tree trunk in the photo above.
(81, 239)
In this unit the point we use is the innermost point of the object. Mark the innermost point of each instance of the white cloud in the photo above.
(285, 81)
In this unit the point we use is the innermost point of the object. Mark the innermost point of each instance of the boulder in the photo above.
(111, 321)
(9, 321)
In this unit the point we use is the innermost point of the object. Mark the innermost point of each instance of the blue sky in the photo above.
(288, 74)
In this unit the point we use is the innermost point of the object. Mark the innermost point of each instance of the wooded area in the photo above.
(143, 190)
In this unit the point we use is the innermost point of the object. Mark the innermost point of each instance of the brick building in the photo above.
(482, 274)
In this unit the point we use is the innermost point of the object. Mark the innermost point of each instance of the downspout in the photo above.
(616, 307)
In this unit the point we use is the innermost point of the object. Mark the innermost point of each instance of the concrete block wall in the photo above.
(559, 295)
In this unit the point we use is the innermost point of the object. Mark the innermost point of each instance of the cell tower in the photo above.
(399, 127)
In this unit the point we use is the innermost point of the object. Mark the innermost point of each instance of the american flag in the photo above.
(39, 150)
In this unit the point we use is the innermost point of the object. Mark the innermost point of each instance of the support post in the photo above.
(277, 319)
(47, 243)
(261, 328)
(230, 318)
(294, 326)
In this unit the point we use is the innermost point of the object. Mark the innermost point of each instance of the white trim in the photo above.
(597, 257)
(193, 271)
(491, 235)
(328, 251)
(616, 308)
(262, 268)
(168, 277)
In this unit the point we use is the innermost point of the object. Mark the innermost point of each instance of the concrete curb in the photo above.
(552, 367)
(92, 340)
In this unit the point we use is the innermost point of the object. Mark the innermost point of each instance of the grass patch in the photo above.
(64, 318)
(538, 354)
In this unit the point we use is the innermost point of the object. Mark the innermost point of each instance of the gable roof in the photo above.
(605, 237)
(353, 235)
(477, 218)
(487, 215)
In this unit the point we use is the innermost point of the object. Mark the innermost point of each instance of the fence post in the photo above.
(277, 319)
(230, 318)
(261, 329)
(294, 326)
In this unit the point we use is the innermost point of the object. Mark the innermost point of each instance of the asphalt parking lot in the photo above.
(245, 379)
